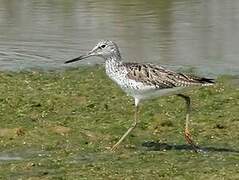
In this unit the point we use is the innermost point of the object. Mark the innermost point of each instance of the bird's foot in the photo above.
(189, 140)
(114, 147)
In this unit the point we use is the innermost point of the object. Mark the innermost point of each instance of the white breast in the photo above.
(133, 88)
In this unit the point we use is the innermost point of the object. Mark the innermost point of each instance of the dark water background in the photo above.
(203, 35)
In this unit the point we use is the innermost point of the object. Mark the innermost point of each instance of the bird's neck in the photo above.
(113, 62)
(112, 66)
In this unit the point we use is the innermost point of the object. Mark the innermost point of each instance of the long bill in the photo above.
(78, 58)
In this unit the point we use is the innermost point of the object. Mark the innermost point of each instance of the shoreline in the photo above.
(54, 123)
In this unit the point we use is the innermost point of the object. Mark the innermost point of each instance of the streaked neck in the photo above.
(113, 61)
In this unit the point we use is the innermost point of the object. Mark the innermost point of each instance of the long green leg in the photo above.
(129, 130)
(187, 133)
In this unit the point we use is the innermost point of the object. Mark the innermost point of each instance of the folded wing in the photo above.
(161, 78)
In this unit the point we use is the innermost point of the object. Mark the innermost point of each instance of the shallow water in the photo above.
(21, 155)
(7, 157)
(197, 34)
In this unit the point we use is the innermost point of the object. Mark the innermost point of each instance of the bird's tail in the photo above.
(207, 81)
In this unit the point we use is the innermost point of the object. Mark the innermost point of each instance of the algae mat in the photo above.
(59, 125)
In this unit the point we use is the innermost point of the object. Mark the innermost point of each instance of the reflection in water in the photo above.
(43, 34)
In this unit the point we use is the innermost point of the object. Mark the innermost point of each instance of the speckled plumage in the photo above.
(144, 81)
(162, 78)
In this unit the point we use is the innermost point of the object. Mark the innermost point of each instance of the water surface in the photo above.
(203, 35)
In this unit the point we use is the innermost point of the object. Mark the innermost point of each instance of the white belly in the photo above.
(139, 90)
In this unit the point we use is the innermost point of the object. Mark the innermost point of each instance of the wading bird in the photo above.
(144, 81)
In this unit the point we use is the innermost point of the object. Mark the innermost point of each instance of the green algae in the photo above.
(60, 125)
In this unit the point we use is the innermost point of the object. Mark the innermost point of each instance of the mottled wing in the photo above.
(162, 78)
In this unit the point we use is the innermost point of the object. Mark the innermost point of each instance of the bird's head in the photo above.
(104, 49)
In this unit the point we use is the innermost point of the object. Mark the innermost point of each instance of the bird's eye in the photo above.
(102, 46)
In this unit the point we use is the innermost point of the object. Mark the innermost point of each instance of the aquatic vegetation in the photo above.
(61, 124)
